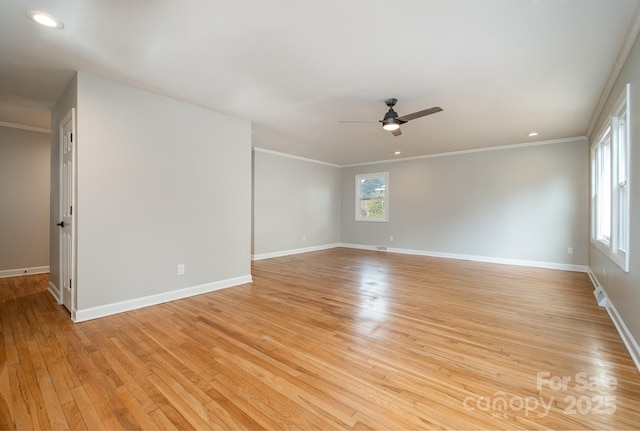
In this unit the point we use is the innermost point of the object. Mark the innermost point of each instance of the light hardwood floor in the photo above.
(338, 339)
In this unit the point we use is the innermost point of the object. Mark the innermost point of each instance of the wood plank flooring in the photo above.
(337, 339)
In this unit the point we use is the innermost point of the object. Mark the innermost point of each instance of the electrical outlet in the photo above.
(181, 269)
(570, 250)
(391, 238)
(304, 238)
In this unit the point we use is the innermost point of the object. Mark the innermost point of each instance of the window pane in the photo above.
(372, 192)
(372, 208)
(622, 218)
(371, 197)
(372, 188)
(605, 192)
(603, 178)
(622, 150)
(622, 186)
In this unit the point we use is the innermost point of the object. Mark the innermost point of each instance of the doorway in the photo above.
(67, 212)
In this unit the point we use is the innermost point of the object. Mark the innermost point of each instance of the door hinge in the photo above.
(69, 284)
(70, 209)
(71, 136)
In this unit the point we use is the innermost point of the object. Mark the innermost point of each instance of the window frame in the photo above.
(616, 133)
(601, 161)
(358, 196)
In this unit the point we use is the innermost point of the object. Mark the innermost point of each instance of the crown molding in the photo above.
(23, 127)
(623, 54)
(289, 156)
(475, 150)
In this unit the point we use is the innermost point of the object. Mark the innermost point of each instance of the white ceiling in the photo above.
(498, 68)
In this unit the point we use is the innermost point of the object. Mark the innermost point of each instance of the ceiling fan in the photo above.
(392, 122)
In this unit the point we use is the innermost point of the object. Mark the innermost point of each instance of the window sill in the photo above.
(619, 259)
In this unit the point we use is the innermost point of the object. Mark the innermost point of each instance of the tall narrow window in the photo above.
(372, 194)
(603, 187)
(622, 183)
(610, 185)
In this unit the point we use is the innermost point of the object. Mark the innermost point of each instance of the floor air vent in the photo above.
(600, 297)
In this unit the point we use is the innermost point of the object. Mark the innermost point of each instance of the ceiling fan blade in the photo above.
(396, 132)
(358, 121)
(419, 114)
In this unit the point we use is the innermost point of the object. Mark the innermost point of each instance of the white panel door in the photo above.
(67, 215)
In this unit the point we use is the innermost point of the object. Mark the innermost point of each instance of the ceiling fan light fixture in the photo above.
(390, 125)
(390, 121)
(45, 20)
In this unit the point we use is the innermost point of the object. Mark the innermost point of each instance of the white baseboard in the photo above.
(55, 292)
(24, 271)
(133, 304)
(293, 251)
(594, 279)
(486, 259)
(363, 247)
(474, 258)
(627, 338)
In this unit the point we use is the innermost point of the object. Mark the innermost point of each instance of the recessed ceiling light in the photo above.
(532, 134)
(397, 152)
(44, 19)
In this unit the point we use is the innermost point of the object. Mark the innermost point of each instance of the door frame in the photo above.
(70, 117)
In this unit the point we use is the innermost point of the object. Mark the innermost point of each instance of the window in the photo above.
(372, 195)
(602, 187)
(610, 185)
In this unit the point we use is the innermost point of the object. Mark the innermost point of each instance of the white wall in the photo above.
(294, 198)
(24, 193)
(623, 288)
(526, 203)
(160, 183)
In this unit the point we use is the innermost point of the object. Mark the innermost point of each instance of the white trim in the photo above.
(474, 258)
(283, 253)
(55, 292)
(609, 135)
(628, 340)
(594, 279)
(360, 246)
(70, 117)
(626, 336)
(24, 271)
(623, 54)
(475, 150)
(23, 127)
(427, 156)
(133, 304)
(289, 156)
